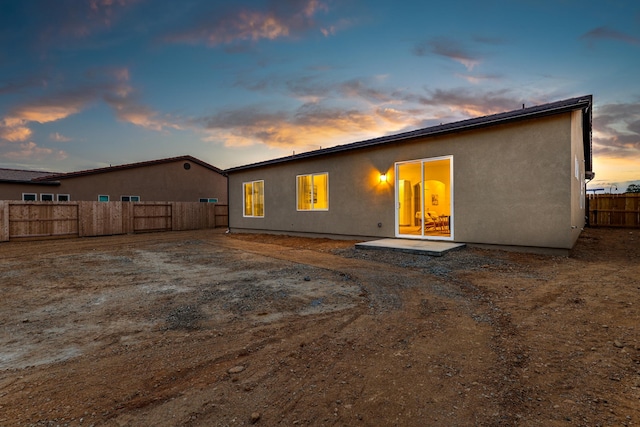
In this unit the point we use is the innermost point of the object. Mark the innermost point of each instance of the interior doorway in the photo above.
(424, 198)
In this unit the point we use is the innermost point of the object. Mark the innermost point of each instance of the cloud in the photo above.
(480, 78)
(127, 109)
(309, 126)
(448, 48)
(31, 151)
(334, 112)
(14, 127)
(79, 19)
(332, 29)
(59, 137)
(281, 19)
(107, 84)
(53, 107)
(363, 89)
(22, 84)
(13, 131)
(311, 89)
(64, 24)
(617, 130)
(605, 33)
(472, 103)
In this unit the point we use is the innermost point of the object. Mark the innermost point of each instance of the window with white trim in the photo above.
(29, 197)
(129, 198)
(312, 192)
(253, 199)
(46, 197)
(103, 198)
(209, 200)
(63, 197)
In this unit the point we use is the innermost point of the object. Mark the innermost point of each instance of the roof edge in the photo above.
(128, 166)
(558, 107)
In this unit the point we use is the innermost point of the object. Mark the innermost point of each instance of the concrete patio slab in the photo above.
(421, 247)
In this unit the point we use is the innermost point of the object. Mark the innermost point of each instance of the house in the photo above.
(178, 179)
(514, 179)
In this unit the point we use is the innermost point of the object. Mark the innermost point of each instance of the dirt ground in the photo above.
(208, 329)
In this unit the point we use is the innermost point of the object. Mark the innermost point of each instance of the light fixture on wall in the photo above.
(383, 177)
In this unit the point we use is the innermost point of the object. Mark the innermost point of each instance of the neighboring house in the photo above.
(178, 179)
(509, 179)
(16, 184)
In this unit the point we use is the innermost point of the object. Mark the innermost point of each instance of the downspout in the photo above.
(228, 206)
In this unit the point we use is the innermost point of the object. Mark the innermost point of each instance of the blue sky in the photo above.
(89, 83)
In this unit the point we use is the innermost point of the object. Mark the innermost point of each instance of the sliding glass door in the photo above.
(424, 198)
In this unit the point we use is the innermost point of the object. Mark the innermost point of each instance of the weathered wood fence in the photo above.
(614, 210)
(29, 220)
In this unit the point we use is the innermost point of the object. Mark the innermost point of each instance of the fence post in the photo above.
(4, 221)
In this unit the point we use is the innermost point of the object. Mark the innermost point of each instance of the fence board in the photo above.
(100, 218)
(151, 217)
(45, 219)
(187, 216)
(20, 219)
(614, 210)
(220, 216)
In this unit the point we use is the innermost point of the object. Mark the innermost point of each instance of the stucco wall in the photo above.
(578, 188)
(14, 191)
(512, 186)
(158, 182)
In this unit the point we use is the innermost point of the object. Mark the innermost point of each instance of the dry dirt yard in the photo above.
(208, 329)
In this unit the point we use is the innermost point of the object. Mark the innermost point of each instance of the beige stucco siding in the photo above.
(168, 181)
(14, 191)
(512, 186)
(160, 182)
(578, 207)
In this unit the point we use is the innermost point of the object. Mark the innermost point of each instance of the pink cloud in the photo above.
(31, 151)
(111, 87)
(282, 19)
(45, 113)
(127, 109)
(59, 137)
(310, 126)
(15, 132)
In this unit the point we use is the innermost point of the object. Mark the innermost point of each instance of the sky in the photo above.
(91, 83)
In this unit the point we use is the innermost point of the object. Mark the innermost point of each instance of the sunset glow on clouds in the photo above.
(96, 82)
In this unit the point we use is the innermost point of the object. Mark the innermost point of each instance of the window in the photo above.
(63, 197)
(103, 198)
(253, 198)
(29, 197)
(46, 197)
(129, 198)
(210, 200)
(312, 192)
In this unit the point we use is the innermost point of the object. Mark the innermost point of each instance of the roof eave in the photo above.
(578, 103)
(129, 166)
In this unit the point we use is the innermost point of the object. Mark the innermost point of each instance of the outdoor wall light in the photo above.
(383, 177)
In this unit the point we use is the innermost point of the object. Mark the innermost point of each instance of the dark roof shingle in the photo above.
(22, 176)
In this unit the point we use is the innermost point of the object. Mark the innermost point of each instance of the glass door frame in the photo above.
(422, 235)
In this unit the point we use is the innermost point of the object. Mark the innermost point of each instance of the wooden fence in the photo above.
(614, 210)
(29, 220)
